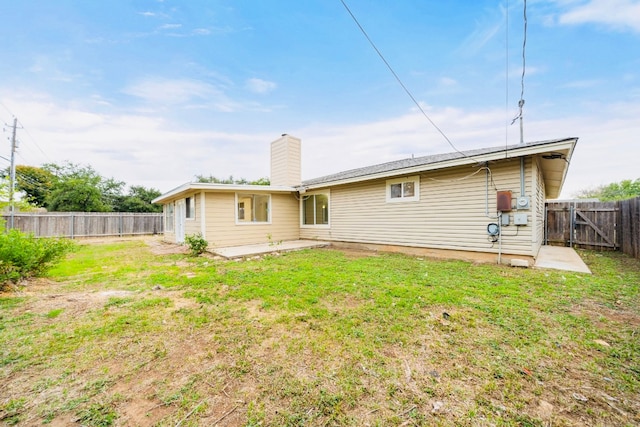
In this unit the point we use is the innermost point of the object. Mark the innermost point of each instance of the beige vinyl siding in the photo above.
(451, 212)
(285, 161)
(222, 230)
(192, 225)
(538, 207)
(279, 173)
(168, 235)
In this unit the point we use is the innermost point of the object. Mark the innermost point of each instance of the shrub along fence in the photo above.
(86, 224)
(595, 225)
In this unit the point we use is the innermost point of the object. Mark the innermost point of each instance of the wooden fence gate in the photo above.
(589, 225)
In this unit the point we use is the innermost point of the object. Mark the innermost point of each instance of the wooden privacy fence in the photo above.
(630, 227)
(86, 224)
(595, 225)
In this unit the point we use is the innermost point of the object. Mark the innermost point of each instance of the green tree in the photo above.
(625, 189)
(35, 183)
(261, 181)
(76, 195)
(139, 200)
(231, 180)
(78, 188)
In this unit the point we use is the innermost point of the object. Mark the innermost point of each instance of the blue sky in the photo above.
(153, 92)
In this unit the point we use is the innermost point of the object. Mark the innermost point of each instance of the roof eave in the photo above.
(553, 192)
(204, 186)
(516, 152)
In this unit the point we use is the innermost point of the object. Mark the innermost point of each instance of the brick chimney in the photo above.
(285, 161)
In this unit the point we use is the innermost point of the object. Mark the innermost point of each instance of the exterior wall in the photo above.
(192, 225)
(222, 230)
(169, 234)
(538, 213)
(451, 213)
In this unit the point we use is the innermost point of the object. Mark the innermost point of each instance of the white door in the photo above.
(181, 215)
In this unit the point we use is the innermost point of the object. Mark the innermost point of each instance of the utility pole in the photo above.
(520, 105)
(12, 186)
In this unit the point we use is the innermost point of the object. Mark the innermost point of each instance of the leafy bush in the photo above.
(23, 255)
(197, 244)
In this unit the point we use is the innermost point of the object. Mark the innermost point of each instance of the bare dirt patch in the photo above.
(600, 313)
(160, 247)
(354, 253)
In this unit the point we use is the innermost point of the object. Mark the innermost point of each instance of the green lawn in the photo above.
(118, 335)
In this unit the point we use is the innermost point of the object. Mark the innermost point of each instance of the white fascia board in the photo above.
(462, 161)
(205, 186)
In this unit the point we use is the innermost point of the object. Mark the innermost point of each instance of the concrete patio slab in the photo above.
(265, 248)
(560, 258)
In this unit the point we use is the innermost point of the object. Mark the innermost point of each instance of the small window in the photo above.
(241, 211)
(403, 189)
(252, 208)
(190, 207)
(315, 209)
(168, 217)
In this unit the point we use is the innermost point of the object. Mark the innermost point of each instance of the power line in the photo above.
(23, 127)
(398, 78)
(7, 108)
(506, 81)
(34, 140)
(524, 46)
(12, 188)
(521, 101)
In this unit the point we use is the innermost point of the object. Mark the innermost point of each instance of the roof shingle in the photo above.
(399, 165)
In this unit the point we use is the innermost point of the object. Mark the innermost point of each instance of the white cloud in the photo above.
(448, 82)
(171, 92)
(486, 29)
(157, 94)
(201, 32)
(137, 149)
(582, 84)
(260, 86)
(170, 26)
(155, 151)
(53, 67)
(618, 14)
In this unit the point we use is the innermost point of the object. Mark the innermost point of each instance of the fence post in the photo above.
(72, 221)
(120, 228)
(545, 239)
(571, 223)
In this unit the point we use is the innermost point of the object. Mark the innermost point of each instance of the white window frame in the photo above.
(269, 208)
(190, 207)
(415, 180)
(304, 197)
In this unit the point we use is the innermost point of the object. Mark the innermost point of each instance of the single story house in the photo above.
(476, 204)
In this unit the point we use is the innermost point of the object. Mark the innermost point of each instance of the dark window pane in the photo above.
(307, 210)
(396, 191)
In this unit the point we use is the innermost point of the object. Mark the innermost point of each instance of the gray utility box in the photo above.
(523, 202)
(520, 219)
